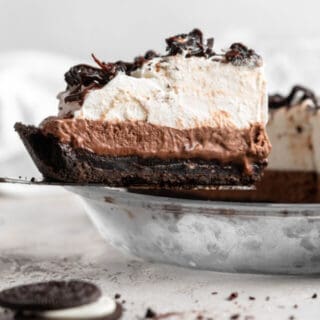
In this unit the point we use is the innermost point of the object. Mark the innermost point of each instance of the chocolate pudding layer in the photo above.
(142, 139)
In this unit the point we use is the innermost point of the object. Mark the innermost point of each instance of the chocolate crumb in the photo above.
(117, 296)
(291, 318)
(252, 298)
(235, 316)
(150, 314)
(267, 298)
(314, 296)
(299, 129)
(33, 179)
(123, 301)
(214, 292)
(295, 306)
(232, 296)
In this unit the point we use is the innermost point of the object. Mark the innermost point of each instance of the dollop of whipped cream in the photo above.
(178, 92)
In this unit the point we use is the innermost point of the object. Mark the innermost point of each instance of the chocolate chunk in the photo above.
(50, 295)
(140, 60)
(191, 43)
(314, 296)
(297, 95)
(82, 78)
(240, 55)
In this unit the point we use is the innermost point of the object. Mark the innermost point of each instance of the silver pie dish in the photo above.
(219, 236)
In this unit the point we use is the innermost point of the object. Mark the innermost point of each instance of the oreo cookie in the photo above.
(58, 300)
(52, 295)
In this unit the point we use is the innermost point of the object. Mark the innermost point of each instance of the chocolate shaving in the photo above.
(140, 60)
(191, 43)
(240, 55)
(297, 95)
(82, 78)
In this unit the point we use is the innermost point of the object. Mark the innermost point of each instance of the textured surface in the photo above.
(50, 237)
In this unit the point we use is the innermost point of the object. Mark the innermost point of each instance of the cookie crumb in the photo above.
(233, 296)
(150, 314)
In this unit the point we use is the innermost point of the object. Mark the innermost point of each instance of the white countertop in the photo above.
(50, 237)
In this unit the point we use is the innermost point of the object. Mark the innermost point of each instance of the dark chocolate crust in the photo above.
(60, 162)
(275, 187)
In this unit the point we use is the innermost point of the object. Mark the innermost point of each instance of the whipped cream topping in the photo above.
(178, 92)
(295, 136)
(102, 308)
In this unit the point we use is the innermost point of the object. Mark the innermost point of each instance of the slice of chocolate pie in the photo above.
(191, 117)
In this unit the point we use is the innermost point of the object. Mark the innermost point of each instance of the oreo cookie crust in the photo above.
(60, 162)
(52, 295)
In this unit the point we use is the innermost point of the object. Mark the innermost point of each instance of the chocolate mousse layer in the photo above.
(62, 159)
(142, 139)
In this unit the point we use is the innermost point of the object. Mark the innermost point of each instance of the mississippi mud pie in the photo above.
(191, 117)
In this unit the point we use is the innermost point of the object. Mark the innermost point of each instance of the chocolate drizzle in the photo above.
(82, 78)
(297, 95)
